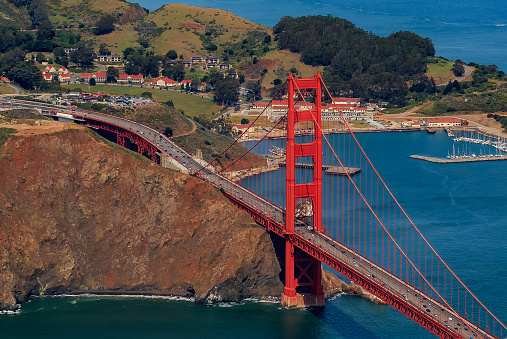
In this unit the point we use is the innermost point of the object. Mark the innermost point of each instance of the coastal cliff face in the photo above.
(77, 215)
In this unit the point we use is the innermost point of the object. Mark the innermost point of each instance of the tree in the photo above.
(195, 84)
(254, 91)
(45, 35)
(127, 52)
(175, 72)
(143, 42)
(168, 131)
(59, 52)
(105, 25)
(41, 57)
(267, 39)
(38, 11)
(146, 95)
(26, 74)
(112, 74)
(245, 121)
(478, 78)
(63, 61)
(227, 91)
(457, 68)
(149, 66)
(83, 57)
(45, 31)
(241, 78)
(103, 50)
(171, 54)
(211, 47)
(93, 82)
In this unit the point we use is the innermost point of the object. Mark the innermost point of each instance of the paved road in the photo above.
(360, 265)
(16, 89)
(468, 72)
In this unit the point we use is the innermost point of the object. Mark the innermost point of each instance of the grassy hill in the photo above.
(12, 16)
(85, 12)
(187, 30)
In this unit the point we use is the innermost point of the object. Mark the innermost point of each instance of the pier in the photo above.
(336, 170)
(331, 170)
(449, 161)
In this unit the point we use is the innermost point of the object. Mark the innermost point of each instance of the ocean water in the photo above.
(460, 208)
(460, 29)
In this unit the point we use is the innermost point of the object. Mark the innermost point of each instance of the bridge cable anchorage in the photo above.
(404, 213)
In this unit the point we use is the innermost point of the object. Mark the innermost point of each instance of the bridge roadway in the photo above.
(417, 305)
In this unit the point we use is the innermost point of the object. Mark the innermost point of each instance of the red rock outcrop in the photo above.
(78, 215)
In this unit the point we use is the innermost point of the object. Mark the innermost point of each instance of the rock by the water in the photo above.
(78, 215)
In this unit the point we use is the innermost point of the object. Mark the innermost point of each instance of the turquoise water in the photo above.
(460, 208)
(465, 29)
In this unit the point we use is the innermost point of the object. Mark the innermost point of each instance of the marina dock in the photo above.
(450, 161)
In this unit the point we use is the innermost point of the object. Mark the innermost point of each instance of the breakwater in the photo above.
(447, 161)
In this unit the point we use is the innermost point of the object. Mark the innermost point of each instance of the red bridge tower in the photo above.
(302, 271)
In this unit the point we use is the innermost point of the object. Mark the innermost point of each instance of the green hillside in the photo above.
(11, 15)
(189, 31)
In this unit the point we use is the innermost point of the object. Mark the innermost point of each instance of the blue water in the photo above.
(470, 30)
(460, 208)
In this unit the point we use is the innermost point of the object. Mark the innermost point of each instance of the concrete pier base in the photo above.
(303, 301)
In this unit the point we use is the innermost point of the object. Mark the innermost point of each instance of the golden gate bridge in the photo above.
(351, 222)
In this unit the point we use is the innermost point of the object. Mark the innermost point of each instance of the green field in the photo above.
(191, 105)
(440, 70)
(4, 89)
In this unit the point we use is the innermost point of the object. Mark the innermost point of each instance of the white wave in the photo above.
(228, 304)
(9, 312)
(336, 296)
(262, 301)
(132, 296)
(500, 25)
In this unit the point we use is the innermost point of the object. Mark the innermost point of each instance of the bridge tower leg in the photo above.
(300, 271)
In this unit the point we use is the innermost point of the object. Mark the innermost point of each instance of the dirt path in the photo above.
(194, 127)
(410, 111)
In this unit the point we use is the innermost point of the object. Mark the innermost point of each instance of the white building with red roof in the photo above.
(64, 77)
(346, 101)
(47, 77)
(50, 69)
(164, 82)
(86, 76)
(444, 122)
(100, 77)
(259, 105)
(63, 70)
(130, 78)
(4, 79)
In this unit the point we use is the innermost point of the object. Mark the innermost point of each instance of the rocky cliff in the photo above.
(134, 12)
(78, 215)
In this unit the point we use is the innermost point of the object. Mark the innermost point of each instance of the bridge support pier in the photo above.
(303, 275)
